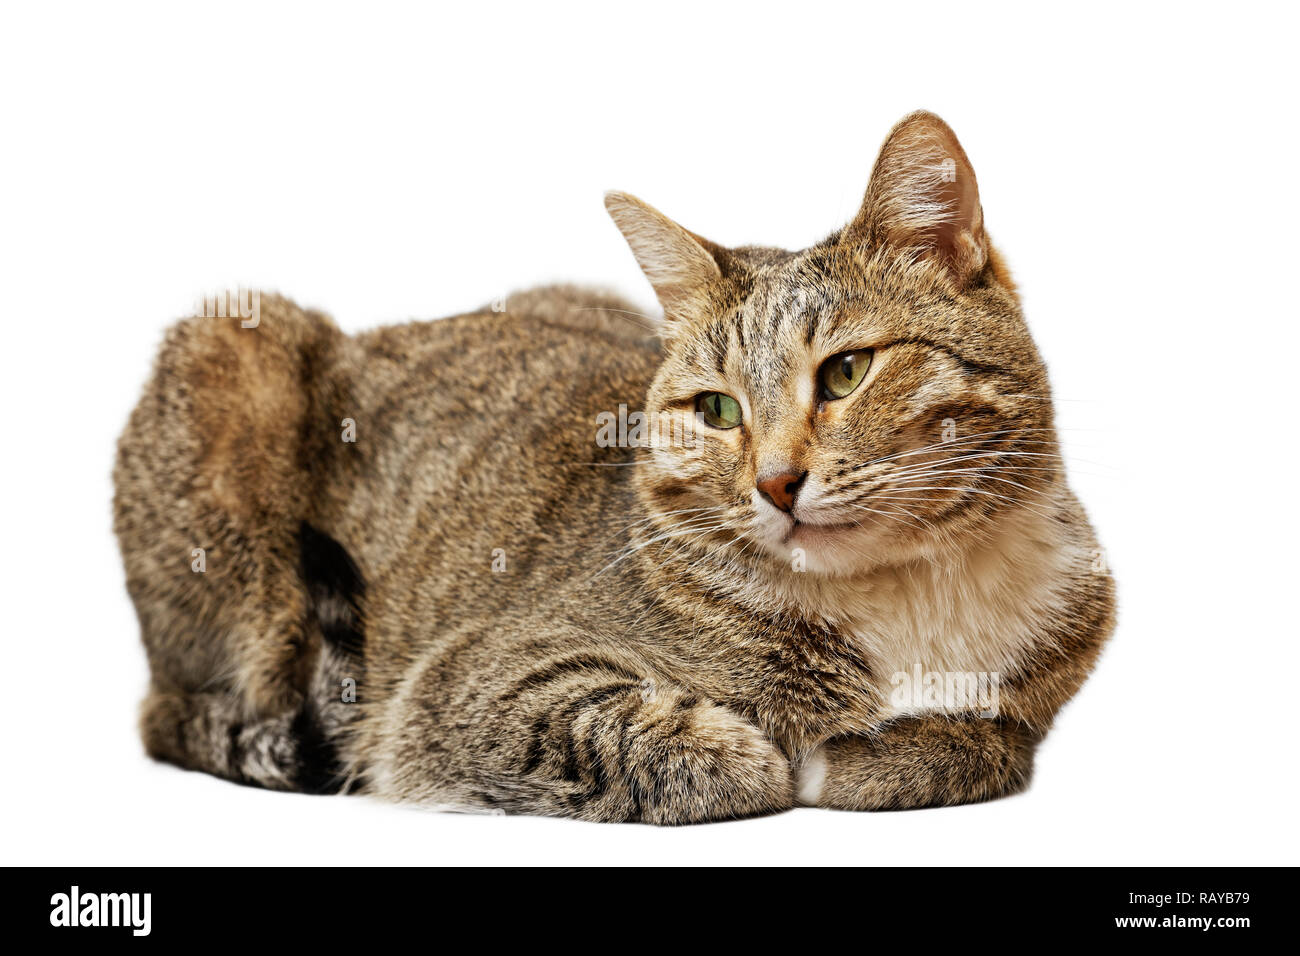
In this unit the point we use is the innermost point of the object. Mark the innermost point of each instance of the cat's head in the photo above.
(872, 398)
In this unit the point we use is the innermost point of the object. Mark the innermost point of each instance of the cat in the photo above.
(428, 570)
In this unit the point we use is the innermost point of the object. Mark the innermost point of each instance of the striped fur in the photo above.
(535, 623)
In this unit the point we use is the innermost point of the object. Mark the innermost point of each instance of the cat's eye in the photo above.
(841, 374)
(720, 411)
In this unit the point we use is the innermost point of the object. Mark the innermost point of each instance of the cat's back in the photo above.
(547, 346)
(529, 317)
(478, 432)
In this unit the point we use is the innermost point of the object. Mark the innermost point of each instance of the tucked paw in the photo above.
(923, 762)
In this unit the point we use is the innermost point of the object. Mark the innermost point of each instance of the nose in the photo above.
(781, 489)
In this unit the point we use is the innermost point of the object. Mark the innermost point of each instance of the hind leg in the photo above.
(302, 750)
(211, 490)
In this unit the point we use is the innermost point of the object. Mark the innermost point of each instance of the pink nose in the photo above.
(781, 489)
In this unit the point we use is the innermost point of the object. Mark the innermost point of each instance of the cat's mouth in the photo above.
(813, 530)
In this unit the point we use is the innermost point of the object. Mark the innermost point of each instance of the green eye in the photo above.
(720, 411)
(841, 374)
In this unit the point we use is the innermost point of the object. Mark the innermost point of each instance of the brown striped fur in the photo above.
(662, 644)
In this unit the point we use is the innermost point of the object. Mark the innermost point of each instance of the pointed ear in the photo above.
(923, 199)
(679, 264)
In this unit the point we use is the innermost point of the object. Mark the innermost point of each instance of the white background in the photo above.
(1137, 167)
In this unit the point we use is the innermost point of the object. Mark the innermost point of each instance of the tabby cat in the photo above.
(537, 559)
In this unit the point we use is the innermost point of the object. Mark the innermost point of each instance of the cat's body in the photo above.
(535, 622)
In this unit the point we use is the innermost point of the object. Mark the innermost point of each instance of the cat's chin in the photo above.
(817, 543)
(832, 547)
(822, 547)
(836, 548)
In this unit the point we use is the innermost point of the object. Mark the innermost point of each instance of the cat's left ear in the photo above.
(923, 200)
(679, 264)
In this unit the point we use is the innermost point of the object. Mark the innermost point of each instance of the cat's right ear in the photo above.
(923, 201)
(679, 264)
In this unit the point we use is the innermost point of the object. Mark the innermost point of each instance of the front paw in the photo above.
(706, 763)
(920, 762)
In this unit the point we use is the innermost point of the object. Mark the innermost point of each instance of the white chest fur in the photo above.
(943, 636)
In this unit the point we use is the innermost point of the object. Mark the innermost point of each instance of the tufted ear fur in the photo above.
(679, 264)
(923, 200)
